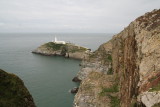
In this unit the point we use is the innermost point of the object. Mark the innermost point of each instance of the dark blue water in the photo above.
(47, 78)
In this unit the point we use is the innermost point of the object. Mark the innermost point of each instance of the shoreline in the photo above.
(45, 54)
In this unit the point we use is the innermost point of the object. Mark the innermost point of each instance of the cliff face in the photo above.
(135, 54)
(13, 93)
(135, 64)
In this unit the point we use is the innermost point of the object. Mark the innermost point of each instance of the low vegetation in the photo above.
(109, 58)
(110, 71)
(77, 49)
(12, 91)
(93, 55)
(54, 46)
(65, 47)
(115, 101)
(113, 88)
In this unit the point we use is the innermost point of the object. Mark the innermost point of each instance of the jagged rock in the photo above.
(90, 91)
(149, 99)
(76, 79)
(93, 74)
(74, 90)
(87, 67)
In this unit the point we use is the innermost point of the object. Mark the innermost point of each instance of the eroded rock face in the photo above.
(13, 93)
(136, 56)
(90, 91)
(124, 64)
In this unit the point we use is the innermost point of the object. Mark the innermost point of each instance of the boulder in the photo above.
(74, 90)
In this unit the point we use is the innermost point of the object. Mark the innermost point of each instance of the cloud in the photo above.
(1, 24)
(71, 15)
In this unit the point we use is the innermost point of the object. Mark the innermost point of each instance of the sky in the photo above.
(73, 16)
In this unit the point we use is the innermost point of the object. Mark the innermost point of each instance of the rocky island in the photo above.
(68, 50)
(13, 92)
(125, 71)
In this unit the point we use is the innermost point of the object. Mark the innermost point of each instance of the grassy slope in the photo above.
(68, 47)
(13, 93)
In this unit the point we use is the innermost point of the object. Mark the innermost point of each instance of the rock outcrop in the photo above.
(13, 93)
(97, 78)
(132, 58)
(67, 50)
(99, 61)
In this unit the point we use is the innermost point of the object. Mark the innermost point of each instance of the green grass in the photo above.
(155, 88)
(115, 101)
(64, 47)
(113, 88)
(110, 71)
(77, 49)
(109, 57)
(54, 46)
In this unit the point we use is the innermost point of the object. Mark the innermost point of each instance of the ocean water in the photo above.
(48, 78)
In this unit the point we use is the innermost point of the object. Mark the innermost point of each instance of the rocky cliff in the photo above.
(125, 71)
(13, 93)
(98, 87)
(67, 50)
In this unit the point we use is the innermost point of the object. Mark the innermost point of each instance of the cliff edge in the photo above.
(13, 93)
(124, 72)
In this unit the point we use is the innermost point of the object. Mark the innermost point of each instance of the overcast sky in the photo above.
(92, 16)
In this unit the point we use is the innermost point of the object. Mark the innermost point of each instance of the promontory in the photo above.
(68, 50)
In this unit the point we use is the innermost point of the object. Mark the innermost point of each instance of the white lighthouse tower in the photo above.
(55, 39)
(58, 42)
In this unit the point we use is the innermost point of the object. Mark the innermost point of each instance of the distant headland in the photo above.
(62, 48)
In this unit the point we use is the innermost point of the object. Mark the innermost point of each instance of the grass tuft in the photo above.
(115, 101)
(113, 88)
(110, 71)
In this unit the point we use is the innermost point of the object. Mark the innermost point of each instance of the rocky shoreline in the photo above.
(67, 50)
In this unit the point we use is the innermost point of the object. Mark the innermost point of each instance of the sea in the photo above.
(48, 78)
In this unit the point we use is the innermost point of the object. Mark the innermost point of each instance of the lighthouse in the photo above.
(58, 42)
(55, 39)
